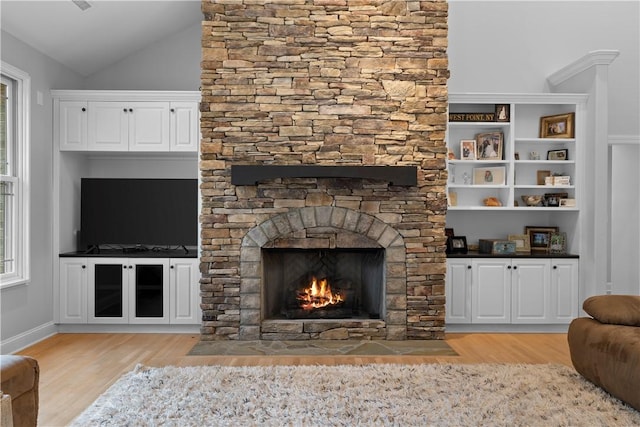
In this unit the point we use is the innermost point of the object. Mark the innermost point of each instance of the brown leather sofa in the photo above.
(19, 378)
(605, 348)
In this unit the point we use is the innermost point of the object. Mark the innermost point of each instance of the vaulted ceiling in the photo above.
(90, 40)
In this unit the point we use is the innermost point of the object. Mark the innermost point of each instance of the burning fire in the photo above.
(318, 295)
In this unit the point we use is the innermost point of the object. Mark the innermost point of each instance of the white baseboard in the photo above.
(28, 338)
(128, 329)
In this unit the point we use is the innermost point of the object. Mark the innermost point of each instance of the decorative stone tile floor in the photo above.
(322, 347)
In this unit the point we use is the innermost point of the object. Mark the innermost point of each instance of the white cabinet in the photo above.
(128, 126)
(73, 290)
(458, 291)
(511, 290)
(72, 124)
(106, 290)
(491, 291)
(127, 121)
(184, 291)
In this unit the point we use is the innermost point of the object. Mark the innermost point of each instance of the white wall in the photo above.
(28, 307)
(513, 46)
(172, 63)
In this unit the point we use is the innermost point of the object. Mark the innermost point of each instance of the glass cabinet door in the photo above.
(149, 290)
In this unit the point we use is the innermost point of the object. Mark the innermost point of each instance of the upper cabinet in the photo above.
(127, 121)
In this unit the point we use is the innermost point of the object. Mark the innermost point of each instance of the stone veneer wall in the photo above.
(323, 82)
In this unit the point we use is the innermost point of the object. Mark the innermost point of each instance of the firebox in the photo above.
(323, 283)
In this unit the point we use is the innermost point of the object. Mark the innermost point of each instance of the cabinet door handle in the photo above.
(555, 267)
(508, 267)
(125, 110)
(173, 110)
(515, 267)
(468, 267)
(84, 109)
(131, 110)
(84, 266)
(171, 266)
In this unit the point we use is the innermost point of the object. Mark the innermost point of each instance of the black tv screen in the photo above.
(146, 212)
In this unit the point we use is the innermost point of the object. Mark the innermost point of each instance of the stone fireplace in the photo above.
(323, 165)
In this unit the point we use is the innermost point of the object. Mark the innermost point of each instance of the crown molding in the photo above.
(593, 58)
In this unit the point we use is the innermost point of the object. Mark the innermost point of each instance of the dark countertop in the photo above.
(475, 254)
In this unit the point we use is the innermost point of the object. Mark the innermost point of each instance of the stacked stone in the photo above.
(324, 82)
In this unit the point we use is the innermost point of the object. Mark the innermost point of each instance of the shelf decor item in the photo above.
(553, 199)
(457, 245)
(523, 244)
(540, 237)
(532, 199)
(489, 145)
(567, 203)
(558, 243)
(541, 177)
(557, 126)
(472, 117)
(489, 176)
(502, 112)
(468, 149)
(497, 247)
(558, 154)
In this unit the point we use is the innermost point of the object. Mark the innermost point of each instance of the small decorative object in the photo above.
(534, 155)
(472, 117)
(492, 201)
(557, 181)
(558, 126)
(457, 245)
(448, 232)
(489, 176)
(489, 145)
(532, 199)
(450, 155)
(453, 198)
(466, 178)
(523, 244)
(541, 177)
(502, 112)
(468, 149)
(567, 203)
(558, 154)
(516, 156)
(539, 237)
(553, 199)
(452, 169)
(497, 247)
(558, 243)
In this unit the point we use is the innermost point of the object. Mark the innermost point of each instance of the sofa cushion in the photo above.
(614, 309)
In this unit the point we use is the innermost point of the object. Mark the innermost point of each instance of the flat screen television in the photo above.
(138, 212)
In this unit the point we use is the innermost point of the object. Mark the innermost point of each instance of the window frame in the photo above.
(18, 174)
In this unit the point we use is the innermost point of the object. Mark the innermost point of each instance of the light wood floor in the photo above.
(76, 368)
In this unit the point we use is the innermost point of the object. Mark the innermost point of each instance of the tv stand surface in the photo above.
(119, 253)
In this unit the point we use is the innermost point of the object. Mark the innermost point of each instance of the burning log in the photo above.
(318, 295)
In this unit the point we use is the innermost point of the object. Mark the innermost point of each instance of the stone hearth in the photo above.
(323, 83)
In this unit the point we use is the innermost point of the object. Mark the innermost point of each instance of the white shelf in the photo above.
(545, 140)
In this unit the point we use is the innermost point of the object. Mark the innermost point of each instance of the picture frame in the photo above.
(557, 126)
(567, 203)
(468, 150)
(558, 243)
(489, 176)
(540, 238)
(457, 245)
(449, 233)
(552, 200)
(502, 112)
(541, 177)
(562, 154)
(489, 145)
(522, 241)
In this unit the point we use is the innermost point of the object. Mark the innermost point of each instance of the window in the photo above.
(14, 175)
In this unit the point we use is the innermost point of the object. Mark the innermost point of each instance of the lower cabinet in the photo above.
(129, 290)
(511, 291)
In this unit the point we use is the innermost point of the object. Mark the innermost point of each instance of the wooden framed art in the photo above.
(522, 241)
(558, 243)
(558, 126)
(540, 237)
(541, 176)
(489, 145)
(489, 176)
(502, 112)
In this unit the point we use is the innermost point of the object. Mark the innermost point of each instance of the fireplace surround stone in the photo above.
(323, 83)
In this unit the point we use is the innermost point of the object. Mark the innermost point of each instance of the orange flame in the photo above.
(318, 295)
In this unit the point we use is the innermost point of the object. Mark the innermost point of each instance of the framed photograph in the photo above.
(502, 112)
(540, 237)
(522, 241)
(457, 245)
(489, 176)
(567, 203)
(489, 145)
(558, 243)
(558, 126)
(558, 154)
(468, 149)
(553, 199)
(541, 177)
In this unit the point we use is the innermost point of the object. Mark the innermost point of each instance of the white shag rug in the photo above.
(365, 395)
